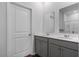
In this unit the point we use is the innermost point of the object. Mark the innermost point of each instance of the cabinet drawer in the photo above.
(41, 38)
(63, 43)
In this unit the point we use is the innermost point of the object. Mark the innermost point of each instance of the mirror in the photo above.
(69, 19)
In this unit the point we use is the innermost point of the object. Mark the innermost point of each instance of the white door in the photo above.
(19, 40)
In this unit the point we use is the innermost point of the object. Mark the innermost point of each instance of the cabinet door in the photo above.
(38, 47)
(43, 48)
(54, 50)
(69, 52)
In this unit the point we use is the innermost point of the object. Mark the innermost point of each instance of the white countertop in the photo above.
(72, 38)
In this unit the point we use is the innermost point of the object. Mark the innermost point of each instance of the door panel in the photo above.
(44, 48)
(38, 47)
(18, 29)
(54, 51)
(21, 44)
(21, 16)
(41, 46)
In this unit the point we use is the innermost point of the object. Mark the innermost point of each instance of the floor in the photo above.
(36, 55)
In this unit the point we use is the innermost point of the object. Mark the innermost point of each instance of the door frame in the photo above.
(19, 5)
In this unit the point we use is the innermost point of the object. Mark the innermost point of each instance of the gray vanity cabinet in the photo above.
(41, 46)
(52, 47)
(54, 50)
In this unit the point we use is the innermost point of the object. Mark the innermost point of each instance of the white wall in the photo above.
(3, 30)
(0, 29)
